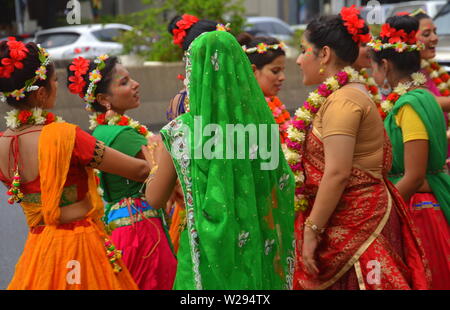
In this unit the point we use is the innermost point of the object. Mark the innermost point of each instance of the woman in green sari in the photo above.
(416, 126)
(239, 198)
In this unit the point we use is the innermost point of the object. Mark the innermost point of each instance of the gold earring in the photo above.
(321, 71)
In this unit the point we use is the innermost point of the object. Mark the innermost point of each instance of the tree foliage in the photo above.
(150, 37)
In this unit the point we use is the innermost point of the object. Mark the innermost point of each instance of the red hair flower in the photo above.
(77, 85)
(79, 66)
(184, 24)
(396, 36)
(17, 50)
(354, 24)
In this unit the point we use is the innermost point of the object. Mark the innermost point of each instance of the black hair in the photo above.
(420, 16)
(18, 78)
(331, 31)
(192, 33)
(103, 85)
(260, 60)
(405, 63)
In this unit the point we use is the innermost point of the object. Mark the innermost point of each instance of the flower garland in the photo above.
(16, 118)
(281, 115)
(372, 87)
(302, 121)
(18, 52)
(80, 67)
(97, 119)
(262, 48)
(439, 76)
(398, 40)
(222, 27)
(418, 79)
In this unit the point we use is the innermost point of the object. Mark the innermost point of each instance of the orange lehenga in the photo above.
(64, 256)
(370, 242)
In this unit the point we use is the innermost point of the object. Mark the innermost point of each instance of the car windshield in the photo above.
(51, 40)
(442, 20)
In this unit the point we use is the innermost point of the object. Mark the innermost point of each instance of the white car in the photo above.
(88, 41)
(269, 27)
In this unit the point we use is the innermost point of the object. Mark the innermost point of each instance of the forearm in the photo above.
(330, 191)
(409, 185)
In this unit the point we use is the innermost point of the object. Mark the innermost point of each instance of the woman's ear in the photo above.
(325, 55)
(42, 95)
(254, 68)
(103, 99)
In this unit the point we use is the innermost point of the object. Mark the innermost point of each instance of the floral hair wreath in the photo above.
(18, 52)
(222, 27)
(186, 22)
(354, 24)
(80, 66)
(262, 48)
(397, 39)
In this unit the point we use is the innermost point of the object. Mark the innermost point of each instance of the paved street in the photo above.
(13, 232)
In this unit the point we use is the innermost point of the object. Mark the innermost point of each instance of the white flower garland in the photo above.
(38, 117)
(97, 119)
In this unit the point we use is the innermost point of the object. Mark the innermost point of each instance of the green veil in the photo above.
(238, 191)
(425, 105)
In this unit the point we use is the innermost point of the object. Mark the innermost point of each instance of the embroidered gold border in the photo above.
(362, 285)
(99, 152)
(363, 248)
(126, 221)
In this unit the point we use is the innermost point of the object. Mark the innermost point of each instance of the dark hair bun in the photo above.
(18, 78)
(192, 33)
(103, 85)
(245, 38)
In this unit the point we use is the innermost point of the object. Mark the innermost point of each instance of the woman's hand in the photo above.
(310, 242)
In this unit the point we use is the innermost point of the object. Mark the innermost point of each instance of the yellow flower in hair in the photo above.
(103, 57)
(400, 47)
(95, 76)
(261, 48)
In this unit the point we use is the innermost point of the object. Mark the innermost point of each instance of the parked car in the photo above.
(442, 22)
(431, 7)
(269, 26)
(65, 43)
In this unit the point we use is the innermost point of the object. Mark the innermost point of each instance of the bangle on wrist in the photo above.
(313, 227)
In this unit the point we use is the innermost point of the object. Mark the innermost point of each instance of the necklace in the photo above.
(301, 122)
(281, 115)
(373, 90)
(36, 116)
(97, 119)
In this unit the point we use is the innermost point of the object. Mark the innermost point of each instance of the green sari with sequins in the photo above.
(239, 196)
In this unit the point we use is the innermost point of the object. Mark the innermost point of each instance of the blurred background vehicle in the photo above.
(269, 26)
(65, 43)
(442, 22)
(431, 7)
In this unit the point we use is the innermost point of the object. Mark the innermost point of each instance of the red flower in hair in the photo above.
(17, 49)
(412, 37)
(13, 63)
(402, 13)
(5, 72)
(184, 24)
(24, 115)
(354, 24)
(79, 66)
(187, 21)
(396, 36)
(77, 85)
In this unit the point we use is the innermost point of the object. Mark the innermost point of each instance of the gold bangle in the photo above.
(313, 227)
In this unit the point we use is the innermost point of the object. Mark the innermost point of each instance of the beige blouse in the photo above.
(350, 111)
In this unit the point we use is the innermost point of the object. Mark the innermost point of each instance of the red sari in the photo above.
(370, 241)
